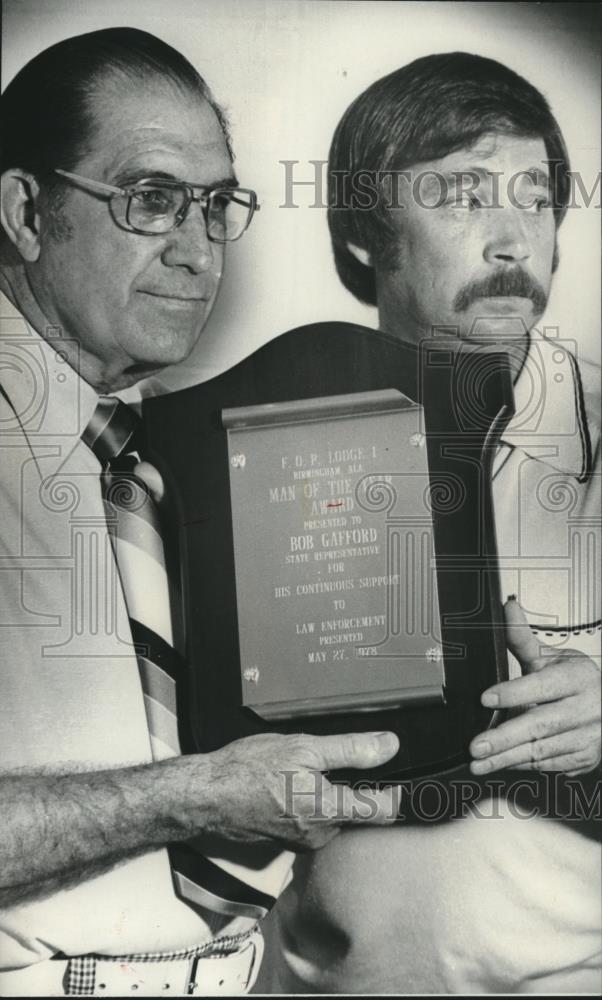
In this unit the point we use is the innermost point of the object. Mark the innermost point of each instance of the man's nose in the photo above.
(509, 241)
(189, 246)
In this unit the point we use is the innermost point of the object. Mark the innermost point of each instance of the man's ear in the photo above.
(360, 254)
(18, 211)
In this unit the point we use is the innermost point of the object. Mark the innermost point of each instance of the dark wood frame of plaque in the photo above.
(467, 400)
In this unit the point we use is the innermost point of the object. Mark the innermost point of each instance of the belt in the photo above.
(217, 974)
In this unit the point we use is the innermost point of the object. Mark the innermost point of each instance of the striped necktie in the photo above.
(218, 884)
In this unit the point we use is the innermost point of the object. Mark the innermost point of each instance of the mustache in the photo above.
(502, 284)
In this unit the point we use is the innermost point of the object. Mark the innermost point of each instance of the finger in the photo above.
(570, 764)
(581, 770)
(359, 750)
(519, 637)
(551, 684)
(367, 806)
(539, 723)
(532, 755)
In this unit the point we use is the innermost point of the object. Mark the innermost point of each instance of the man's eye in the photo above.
(537, 205)
(220, 200)
(154, 200)
(465, 200)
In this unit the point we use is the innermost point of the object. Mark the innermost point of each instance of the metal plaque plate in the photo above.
(336, 581)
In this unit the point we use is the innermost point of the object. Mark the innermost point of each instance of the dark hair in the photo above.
(46, 110)
(424, 111)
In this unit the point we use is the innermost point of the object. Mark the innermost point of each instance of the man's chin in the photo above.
(171, 346)
(173, 354)
(485, 327)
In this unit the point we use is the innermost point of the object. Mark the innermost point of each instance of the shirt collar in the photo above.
(52, 402)
(550, 422)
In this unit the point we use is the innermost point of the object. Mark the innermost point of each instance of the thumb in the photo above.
(519, 637)
(360, 750)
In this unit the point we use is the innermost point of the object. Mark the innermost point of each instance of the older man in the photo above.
(118, 196)
(449, 180)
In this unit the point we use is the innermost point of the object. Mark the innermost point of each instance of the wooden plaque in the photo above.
(333, 527)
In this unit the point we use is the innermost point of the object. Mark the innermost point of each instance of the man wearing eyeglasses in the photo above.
(118, 198)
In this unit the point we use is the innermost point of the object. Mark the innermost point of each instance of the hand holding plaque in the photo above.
(272, 787)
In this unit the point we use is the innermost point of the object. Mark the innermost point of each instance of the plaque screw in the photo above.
(251, 674)
(238, 461)
(434, 654)
(417, 440)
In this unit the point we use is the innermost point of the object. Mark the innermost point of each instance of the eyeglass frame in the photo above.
(99, 187)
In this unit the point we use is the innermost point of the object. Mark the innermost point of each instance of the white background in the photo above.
(286, 70)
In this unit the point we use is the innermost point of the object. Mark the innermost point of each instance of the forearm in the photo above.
(60, 829)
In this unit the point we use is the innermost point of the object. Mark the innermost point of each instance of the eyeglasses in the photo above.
(154, 206)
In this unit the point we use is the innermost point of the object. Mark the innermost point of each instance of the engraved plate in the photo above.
(335, 572)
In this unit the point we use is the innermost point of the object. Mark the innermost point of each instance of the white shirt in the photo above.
(504, 902)
(70, 695)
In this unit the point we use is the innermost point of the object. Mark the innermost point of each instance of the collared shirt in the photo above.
(501, 899)
(546, 488)
(70, 690)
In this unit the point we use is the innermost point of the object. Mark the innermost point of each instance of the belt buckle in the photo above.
(194, 984)
(248, 945)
